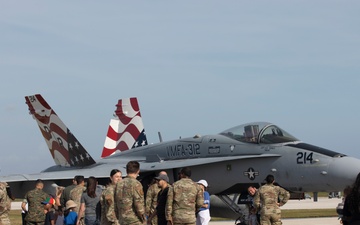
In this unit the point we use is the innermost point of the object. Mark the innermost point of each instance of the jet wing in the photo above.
(163, 165)
(102, 170)
(57, 175)
(98, 171)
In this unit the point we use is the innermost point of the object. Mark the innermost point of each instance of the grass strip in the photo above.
(308, 213)
(15, 217)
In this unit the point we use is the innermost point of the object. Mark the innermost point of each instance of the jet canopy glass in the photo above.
(259, 132)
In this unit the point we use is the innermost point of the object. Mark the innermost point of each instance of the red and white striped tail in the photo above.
(126, 129)
(65, 149)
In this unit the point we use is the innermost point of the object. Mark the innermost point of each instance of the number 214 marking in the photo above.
(304, 157)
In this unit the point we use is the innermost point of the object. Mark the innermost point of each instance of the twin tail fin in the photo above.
(126, 130)
(65, 149)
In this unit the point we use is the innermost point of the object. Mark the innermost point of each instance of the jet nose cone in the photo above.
(342, 172)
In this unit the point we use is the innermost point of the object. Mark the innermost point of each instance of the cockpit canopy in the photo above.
(259, 132)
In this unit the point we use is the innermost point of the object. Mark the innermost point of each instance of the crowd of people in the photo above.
(122, 201)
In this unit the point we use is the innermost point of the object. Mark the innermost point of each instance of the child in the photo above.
(49, 211)
(70, 216)
(59, 216)
(252, 216)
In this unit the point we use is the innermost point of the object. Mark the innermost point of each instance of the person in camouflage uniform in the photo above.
(129, 197)
(75, 194)
(108, 216)
(268, 199)
(184, 200)
(151, 200)
(35, 214)
(5, 204)
(65, 196)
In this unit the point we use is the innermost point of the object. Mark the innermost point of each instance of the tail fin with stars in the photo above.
(65, 149)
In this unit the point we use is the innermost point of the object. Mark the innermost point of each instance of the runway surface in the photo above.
(322, 203)
(317, 221)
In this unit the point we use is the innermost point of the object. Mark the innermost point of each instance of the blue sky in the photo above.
(196, 68)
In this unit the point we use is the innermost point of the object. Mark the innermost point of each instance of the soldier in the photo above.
(129, 197)
(65, 196)
(75, 194)
(33, 198)
(268, 199)
(151, 200)
(184, 200)
(108, 216)
(5, 204)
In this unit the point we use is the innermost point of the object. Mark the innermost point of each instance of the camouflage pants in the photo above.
(4, 220)
(270, 219)
(34, 223)
(82, 221)
(154, 221)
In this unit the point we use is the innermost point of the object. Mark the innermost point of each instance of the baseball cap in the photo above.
(49, 200)
(203, 182)
(162, 177)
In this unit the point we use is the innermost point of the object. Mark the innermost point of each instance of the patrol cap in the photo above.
(203, 182)
(70, 204)
(49, 200)
(162, 177)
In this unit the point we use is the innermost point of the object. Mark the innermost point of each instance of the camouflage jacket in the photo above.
(151, 202)
(5, 201)
(269, 197)
(151, 198)
(75, 195)
(129, 201)
(184, 199)
(108, 216)
(66, 194)
(35, 209)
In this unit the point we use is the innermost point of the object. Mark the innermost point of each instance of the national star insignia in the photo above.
(251, 173)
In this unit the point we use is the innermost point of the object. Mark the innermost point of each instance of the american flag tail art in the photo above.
(126, 129)
(65, 149)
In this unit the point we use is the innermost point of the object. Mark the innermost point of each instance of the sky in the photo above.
(196, 67)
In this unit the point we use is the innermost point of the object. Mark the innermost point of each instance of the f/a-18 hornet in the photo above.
(230, 161)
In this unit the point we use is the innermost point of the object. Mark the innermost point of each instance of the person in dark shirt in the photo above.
(49, 211)
(163, 183)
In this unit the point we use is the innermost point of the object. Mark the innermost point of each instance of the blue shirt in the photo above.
(206, 201)
(71, 218)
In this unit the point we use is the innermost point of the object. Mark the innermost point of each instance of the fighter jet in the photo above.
(230, 161)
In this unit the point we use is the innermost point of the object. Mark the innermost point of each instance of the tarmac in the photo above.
(317, 221)
(322, 203)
